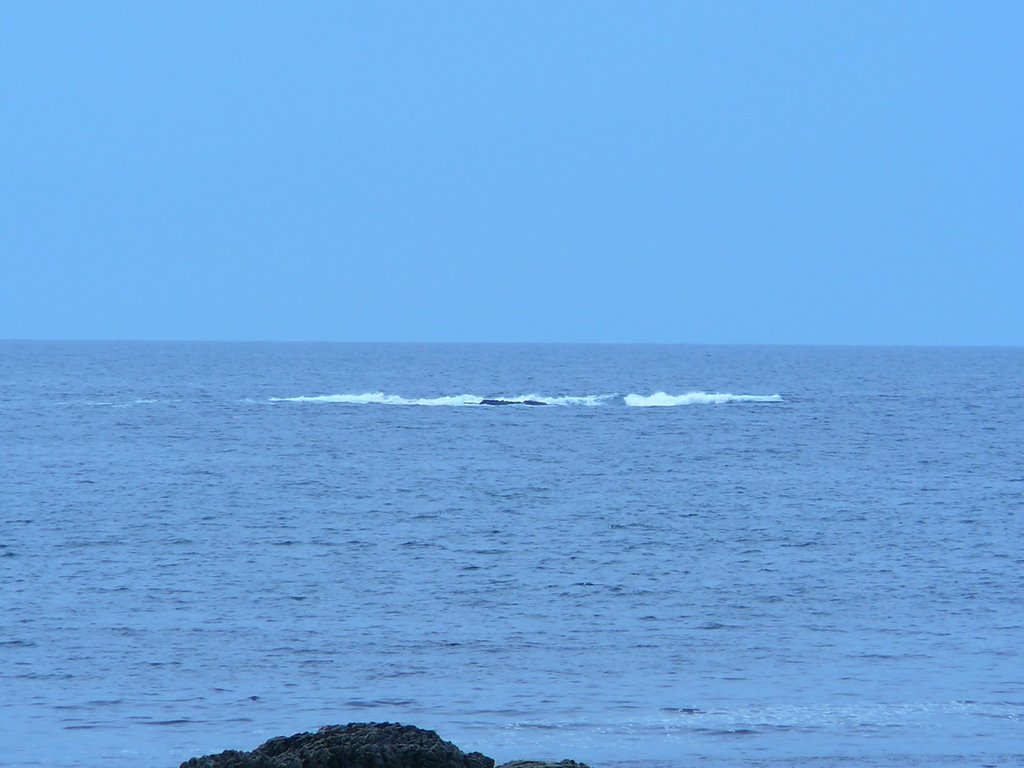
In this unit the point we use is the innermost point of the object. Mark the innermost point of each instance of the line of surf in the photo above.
(658, 399)
(665, 400)
(381, 398)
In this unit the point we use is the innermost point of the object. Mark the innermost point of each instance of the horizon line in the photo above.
(894, 345)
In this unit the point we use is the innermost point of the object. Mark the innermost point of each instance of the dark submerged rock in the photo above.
(496, 401)
(356, 745)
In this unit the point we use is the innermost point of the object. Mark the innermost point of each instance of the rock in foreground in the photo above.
(357, 745)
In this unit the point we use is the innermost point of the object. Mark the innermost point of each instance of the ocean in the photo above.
(690, 556)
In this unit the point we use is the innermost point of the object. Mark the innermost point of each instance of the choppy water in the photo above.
(803, 557)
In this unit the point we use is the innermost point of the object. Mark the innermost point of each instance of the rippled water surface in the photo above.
(691, 556)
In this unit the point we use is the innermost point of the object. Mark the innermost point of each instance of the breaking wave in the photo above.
(658, 399)
(662, 399)
(379, 398)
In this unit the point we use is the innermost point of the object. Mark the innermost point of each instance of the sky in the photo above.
(668, 172)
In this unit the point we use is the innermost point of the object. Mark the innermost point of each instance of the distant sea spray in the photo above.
(656, 400)
(663, 399)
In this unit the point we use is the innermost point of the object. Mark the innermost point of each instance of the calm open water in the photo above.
(206, 545)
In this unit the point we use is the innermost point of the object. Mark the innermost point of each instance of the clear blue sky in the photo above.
(781, 172)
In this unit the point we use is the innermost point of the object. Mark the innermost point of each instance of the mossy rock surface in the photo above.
(356, 745)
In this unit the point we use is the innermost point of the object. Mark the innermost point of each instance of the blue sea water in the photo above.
(695, 556)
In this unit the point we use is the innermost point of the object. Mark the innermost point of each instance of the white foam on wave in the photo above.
(665, 400)
(658, 399)
(585, 400)
(380, 398)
